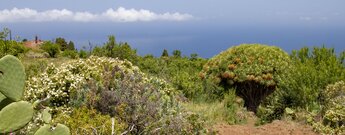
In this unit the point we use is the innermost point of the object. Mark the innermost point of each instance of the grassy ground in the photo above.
(56, 61)
(216, 118)
(34, 66)
(214, 113)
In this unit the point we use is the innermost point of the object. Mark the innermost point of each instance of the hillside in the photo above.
(246, 89)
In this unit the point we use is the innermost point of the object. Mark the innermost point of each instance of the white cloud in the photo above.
(119, 15)
(84, 17)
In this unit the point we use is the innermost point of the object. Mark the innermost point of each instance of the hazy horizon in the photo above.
(204, 27)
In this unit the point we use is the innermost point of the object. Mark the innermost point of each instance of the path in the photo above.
(277, 127)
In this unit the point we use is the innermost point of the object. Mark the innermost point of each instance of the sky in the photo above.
(205, 27)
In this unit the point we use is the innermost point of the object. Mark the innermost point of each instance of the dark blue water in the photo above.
(206, 40)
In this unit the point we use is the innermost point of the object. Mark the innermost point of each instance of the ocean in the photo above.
(206, 40)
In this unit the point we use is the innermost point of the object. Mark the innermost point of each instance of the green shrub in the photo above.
(89, 121)
(313, 71)
(82, 54)
(142, 106)
(12, 48)
(52, 49)
(122, 51)
(182, 73)
(235, 114)
(302, 89)
(272, 108)
(98, 51)
(70, 54)
(333, 113)
(254, 70)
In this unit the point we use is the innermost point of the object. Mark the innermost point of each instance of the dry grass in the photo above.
(56, 61)
(35, 66)
(214, 113)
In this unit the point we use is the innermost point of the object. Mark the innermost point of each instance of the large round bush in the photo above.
(254, 70)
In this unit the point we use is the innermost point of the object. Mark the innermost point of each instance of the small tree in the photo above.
(82, 54)
(342, 57)
(110, 45)
(62, 42)
(177, 53)
(253, 70)
(124, 51)
(194, 56)
(117, 50)
(165, 53)
(4, 33)
(70, 46)
(52, 49)
(98, 51)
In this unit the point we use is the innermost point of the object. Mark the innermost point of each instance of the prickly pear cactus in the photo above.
(46, 116)
(15, 116)
(4, 103)
(12, 77)
(2, 97)
(48, 129)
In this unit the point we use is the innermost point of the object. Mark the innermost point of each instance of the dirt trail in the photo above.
(277, 127)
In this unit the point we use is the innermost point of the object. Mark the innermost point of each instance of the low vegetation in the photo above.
(332, 116)
(116, 89)
(110, 89)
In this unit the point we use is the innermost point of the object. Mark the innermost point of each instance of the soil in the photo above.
(277, 127)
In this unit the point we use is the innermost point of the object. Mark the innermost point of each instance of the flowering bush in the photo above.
(333, 118)
(58, 84)
(116, 88)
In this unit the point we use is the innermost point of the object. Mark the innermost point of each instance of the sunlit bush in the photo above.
(333, 114)
(254, 70)
(12, 48)
(313, 70)
(52, 49)
(73, 54)
(235, 113)
(181, 72)
(89, 121)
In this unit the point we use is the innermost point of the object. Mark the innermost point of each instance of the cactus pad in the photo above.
(46, 116)
(5, 102)
(12, 77)
(48, 129)
(2, 97)
(15, 116)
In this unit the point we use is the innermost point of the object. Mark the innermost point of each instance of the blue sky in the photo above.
(205, 27)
